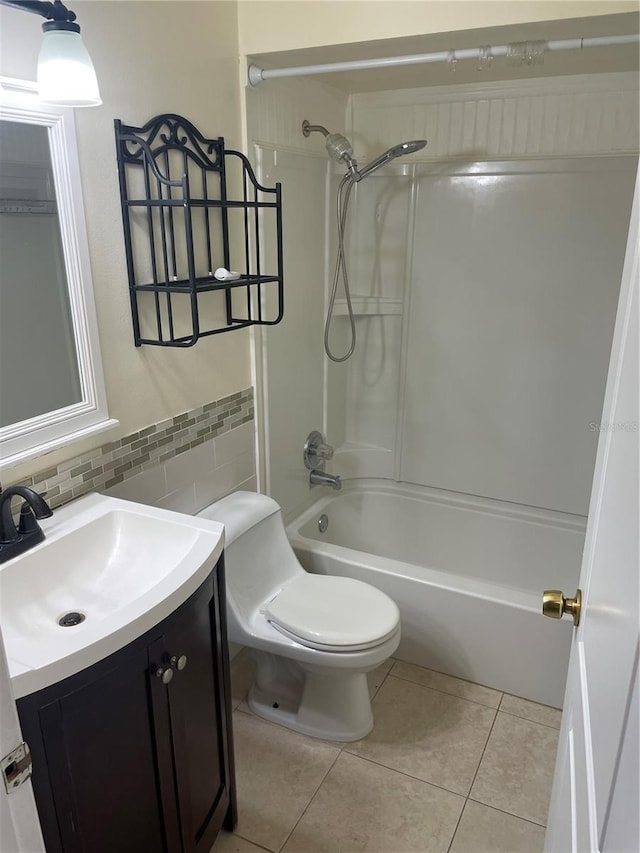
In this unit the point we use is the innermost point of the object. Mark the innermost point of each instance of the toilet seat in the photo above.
(331, 613)
(325, 647)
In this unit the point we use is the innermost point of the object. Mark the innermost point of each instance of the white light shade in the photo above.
(65, 72)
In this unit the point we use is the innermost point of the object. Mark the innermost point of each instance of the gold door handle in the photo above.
(554, 604)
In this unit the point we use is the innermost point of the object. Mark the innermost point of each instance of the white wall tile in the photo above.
(182, 500)
(188, 482)
(215, 484)
(250, 485)
(234, 443)
(185, 467)
(145, 488)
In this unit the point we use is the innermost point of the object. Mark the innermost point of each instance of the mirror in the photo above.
(39, 372)
(51, 384)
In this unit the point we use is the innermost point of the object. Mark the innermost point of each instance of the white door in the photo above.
(594, 802)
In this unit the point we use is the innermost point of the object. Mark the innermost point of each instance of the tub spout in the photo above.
(320, 478)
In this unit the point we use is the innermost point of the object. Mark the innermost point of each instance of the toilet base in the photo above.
(318, 701)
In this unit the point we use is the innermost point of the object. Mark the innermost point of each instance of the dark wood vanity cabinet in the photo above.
(135, 753)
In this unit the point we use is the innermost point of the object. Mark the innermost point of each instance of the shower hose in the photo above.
(342, 208)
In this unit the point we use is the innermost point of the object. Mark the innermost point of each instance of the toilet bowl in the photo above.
(313, 637)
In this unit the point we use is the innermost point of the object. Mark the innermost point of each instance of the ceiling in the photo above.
(557, 63)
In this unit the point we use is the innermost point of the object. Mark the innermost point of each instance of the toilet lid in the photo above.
(326, 611)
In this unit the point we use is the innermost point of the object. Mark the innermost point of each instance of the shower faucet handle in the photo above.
(316, 451)
(324, 451)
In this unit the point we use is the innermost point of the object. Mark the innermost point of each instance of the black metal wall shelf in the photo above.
(180, 226)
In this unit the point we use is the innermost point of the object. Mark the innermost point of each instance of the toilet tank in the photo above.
(258, 557)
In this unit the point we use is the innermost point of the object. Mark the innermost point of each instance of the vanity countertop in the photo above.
(122, 566)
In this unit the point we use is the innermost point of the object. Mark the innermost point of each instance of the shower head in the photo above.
(397, 151)
(338, 146)
(340, 149)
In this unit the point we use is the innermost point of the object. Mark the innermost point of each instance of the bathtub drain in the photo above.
(323, 523)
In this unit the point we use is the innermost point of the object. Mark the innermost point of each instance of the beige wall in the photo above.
(150, 57)
(270, 25)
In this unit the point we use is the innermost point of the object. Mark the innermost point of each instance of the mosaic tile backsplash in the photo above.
(117, 461)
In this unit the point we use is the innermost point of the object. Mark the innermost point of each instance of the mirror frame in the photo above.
(50, 430)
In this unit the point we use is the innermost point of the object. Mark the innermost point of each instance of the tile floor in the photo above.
(450, 766)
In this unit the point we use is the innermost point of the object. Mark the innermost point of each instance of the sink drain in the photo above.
(71, 619)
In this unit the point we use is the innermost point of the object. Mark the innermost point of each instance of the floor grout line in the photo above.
(531, 701)
(453, 835)
(313, 796)
(473, 780)
(454, 677)
(336, 745)
(446, 692)
(255, 843)
(483, 752)
(510, 814)
(379, 687)
(529, 720)
(408, 775)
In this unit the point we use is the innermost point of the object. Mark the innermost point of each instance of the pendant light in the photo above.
(65, 75)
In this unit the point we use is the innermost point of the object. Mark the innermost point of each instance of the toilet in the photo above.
(313, 637)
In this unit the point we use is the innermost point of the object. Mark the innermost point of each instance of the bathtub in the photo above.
(467, 574)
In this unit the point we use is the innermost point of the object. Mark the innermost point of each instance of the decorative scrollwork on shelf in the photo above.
(171, 132)
(177, 220)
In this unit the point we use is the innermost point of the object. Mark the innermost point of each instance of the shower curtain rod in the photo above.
(257, 74)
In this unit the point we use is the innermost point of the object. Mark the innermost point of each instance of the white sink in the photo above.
(120, 565)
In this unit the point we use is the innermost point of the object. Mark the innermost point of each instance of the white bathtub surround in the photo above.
(577, 115)
(461, 375)
(486, 294)
(466, 573)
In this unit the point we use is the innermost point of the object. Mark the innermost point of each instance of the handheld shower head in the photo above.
(397, 151)
(340, 149)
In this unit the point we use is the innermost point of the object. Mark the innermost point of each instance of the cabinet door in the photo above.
(101, 766)
(195, 707)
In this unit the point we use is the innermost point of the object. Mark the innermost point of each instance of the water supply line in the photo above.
(518, 53)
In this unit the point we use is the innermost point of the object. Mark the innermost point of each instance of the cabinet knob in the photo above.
(166, 674)
(179, 662)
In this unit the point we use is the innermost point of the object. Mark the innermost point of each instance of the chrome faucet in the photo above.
(315, 452)
(15, 540)
(321, 478)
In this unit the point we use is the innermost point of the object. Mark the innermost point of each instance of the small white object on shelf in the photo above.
(223, 274)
